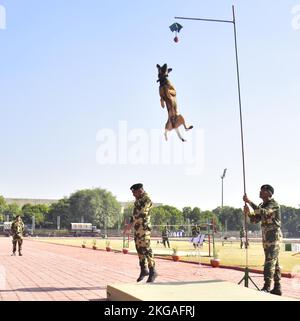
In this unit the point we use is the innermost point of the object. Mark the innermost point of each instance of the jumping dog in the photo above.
(167, 94)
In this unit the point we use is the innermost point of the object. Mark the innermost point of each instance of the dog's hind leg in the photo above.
(181, 121)
(185, 126)
(188, 128)
(179, 135)
(166, 136)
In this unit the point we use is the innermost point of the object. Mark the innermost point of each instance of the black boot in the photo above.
(277, 289)
(267, 287)
(20, 253)
(144, 272)
(152, 274)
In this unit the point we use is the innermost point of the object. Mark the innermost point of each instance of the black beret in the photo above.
(269, 188)
(136, 186)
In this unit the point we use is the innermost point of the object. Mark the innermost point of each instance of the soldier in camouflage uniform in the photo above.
(165, 236)
(140, 221)
(195, 233)
(17, 229)
(268, 213)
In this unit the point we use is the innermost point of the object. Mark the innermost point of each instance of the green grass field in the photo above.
(229, 254)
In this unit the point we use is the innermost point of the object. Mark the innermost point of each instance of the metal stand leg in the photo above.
(246, 278)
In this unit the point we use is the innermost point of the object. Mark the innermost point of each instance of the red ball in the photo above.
(176, 39)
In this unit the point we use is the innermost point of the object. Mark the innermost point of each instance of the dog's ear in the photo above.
(158, 66)
(164, 68)
(169, 70)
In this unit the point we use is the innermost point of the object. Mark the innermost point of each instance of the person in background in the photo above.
(17, 230)
(165, 236)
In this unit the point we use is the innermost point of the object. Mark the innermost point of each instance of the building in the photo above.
(35, 201)
(22, 201)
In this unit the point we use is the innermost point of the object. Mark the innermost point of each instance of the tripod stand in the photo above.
(246, 278)
(198, 255)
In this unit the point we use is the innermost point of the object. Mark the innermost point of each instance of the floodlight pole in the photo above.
(222, 177)
(222, 196)
(233, 21)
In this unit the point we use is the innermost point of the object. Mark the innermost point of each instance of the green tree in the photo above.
(128, 210)
(233, 218)
(96, 206)
(12, 210)
(62, 209)
(208, 216)
(290, 219)
(165, 214)
(3, 206)
(229, 217)
(186, 213)
(195, 215)
(39, 212)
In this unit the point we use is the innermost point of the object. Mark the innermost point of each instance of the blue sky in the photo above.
(72, 71)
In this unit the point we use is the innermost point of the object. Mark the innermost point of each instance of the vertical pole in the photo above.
(209, 245)
(33, 224)
(242, 133)
(124, 236)
(222, 207)
(222, 194)
(240, 99)
(213, 238)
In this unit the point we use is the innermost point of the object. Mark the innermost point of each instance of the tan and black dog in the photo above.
(168, 97)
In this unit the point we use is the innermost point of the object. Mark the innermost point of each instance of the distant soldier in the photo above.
(268, 213)
(140, 221)
(165, 237)
(195, 233)
(17, 229)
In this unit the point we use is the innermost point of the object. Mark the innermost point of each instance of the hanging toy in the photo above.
(176, 27)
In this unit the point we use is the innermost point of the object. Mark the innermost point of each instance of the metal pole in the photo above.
(222, 177)
(213, 238)
(58, 222)
(242, 131)
(210, 20)
(240, 99)
(33, 224)
(222, 194)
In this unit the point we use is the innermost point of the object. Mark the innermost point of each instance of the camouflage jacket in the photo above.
(17, 228)
(141, 213)
(268, 214)
(165, 233)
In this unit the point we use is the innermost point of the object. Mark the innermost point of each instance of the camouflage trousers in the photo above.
(17, 240)
(271, 266)
(143, 248)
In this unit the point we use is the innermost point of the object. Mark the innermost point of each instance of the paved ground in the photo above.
(49, 272)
